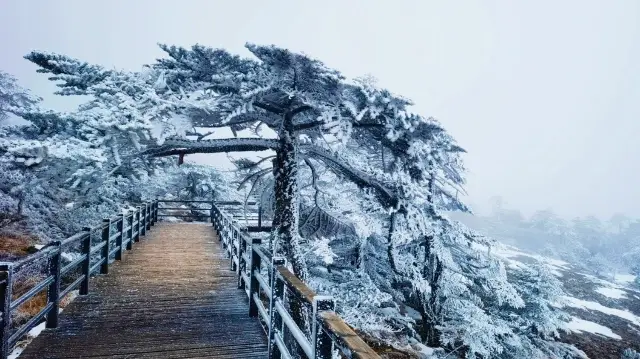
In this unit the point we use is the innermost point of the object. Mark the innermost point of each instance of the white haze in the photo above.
(543, 94)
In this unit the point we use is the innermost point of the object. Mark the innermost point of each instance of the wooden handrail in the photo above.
(329, 331)
(129, 227)
(264, 278)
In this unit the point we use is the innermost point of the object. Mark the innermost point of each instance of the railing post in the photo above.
(321, 341)
(53, 292)
(137, 215)
(143, 216)
(232, 248)
(106, 233)
(147, 210)
(86, 263)
(6, 285)
(153, 212)
(242, 248)
(129, 218)
(119, 239)
(213, 205)
(254, 285)
(275, 321)
(259, 217)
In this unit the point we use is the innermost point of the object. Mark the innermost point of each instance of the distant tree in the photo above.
(619, 222)
(547, 221)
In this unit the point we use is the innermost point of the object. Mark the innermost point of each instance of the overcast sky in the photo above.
(544, 95)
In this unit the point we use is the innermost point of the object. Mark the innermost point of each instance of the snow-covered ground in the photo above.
(614, 293)
(605, 313)
(591, 305)
(580, 325)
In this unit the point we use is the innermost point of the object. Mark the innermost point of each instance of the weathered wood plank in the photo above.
(349, 340)
(172, 297)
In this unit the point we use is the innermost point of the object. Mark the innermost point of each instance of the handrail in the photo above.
(265, 279)
(328, 330)
(124, 230)
(193, 211)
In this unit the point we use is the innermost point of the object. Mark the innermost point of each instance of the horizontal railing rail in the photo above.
(194, 210)
(270, 287)
(113, 236)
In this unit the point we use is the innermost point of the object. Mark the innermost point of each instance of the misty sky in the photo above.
(545, 95)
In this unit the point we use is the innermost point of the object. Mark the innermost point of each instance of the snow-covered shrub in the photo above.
(630, 354)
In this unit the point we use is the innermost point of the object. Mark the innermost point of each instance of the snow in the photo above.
(37, 330)
(588, 305)
(507, 253)
(625, 278)
(31, 334)
(580, 325)
(612, 292)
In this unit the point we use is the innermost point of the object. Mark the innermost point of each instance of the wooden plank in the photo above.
(346, 337)
(172, 296)
(296, 285)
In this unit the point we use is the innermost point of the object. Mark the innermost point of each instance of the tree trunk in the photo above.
(432, 271)
(285, 221)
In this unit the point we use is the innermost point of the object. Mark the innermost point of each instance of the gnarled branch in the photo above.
(386, 195)
(175, 147)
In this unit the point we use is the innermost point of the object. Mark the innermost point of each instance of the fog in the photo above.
(543, 95)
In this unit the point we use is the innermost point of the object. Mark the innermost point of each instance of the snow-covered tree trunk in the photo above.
(285, 222)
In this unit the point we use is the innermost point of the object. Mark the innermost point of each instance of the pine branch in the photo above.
(386, 195)
(176, 147)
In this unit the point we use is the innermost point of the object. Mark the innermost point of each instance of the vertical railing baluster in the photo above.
(119, 239)
(211, 212)
(254, 285)
(86, 263)
(232, 248)
(275, 321)
(241, 243)
(321, 341)
(129, 217)
(53, 291)
(137, 215)
(147, 211)
(153, 212)
(6, 286)
(106, 233)
(259, 217)
(142, 225)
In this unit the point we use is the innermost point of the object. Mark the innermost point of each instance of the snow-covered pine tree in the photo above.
(83, 165)
(630, 354)
(322, 127)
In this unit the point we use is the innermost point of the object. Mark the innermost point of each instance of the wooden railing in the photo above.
(271, 288)
(197, 210)
(275, 293)
(98, 247)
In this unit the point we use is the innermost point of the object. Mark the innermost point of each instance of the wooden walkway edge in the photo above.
(173, 296)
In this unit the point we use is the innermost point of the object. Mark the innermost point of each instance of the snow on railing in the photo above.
(281, 301)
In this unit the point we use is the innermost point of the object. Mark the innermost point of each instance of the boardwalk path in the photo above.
(173, 296)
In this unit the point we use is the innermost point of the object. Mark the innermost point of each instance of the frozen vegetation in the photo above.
(360, 189)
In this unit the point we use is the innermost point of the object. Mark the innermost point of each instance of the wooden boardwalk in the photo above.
(173, 296)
